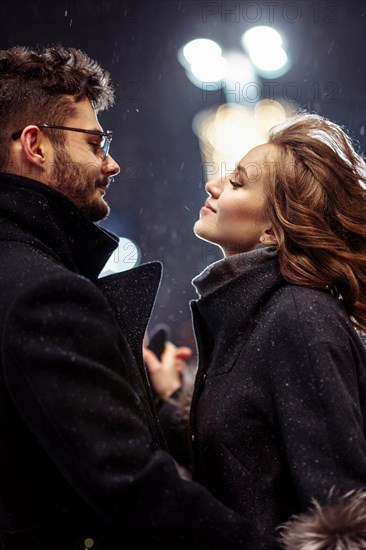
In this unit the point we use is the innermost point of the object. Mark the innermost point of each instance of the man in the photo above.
(82, 462)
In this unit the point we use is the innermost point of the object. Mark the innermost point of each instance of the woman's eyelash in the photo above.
(235, 183)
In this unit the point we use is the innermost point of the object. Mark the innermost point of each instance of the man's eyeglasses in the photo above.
(106, 137)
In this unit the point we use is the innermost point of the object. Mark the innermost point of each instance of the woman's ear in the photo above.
(268, 237)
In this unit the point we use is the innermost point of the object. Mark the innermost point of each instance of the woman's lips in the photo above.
(208, 208)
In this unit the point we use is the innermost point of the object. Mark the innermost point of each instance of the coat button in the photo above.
(204, 376)
(193, 438)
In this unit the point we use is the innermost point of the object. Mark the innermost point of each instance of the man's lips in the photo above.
(102, 187)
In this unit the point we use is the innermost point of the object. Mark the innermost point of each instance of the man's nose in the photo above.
(110, 166)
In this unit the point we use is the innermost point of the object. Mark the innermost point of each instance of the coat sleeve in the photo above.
(68, 372)
(317, 387)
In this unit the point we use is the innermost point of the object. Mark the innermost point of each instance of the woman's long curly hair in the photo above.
(317, 205)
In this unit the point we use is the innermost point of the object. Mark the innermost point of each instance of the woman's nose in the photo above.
(213, 188)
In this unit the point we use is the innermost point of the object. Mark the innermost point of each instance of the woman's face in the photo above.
(234, 214)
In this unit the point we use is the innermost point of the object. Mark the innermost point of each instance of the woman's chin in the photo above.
(199, 232)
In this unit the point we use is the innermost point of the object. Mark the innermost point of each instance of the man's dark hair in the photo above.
(35, 87)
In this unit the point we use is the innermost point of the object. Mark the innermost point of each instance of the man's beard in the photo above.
(79, 183)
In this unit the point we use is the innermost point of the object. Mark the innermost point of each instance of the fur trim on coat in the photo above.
(339, 525)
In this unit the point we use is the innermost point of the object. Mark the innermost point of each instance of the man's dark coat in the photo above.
(80, 446)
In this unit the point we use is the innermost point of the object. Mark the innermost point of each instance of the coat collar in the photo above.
(230, 310)
(224, 271)
(37, 214)
(131, 295)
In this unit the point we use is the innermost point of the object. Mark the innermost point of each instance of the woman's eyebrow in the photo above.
(241, 170)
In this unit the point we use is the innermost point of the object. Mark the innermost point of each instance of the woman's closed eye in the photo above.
(236, 184)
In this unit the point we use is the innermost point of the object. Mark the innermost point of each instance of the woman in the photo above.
(278, 411)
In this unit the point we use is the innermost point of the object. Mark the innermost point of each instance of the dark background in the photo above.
(156, 198)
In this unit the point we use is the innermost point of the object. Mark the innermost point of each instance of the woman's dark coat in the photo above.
(80, 446)
(279, 408)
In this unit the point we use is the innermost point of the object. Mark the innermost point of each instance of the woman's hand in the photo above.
(166, 373)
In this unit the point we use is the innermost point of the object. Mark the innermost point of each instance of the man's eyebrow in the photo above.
(97, 135)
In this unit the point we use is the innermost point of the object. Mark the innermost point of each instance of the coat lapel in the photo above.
(131, 295)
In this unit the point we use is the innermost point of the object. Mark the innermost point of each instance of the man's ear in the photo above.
(34, 146)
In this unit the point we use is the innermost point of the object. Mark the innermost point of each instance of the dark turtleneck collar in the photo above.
(233, 290)
(223, 271)
(34, 213)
